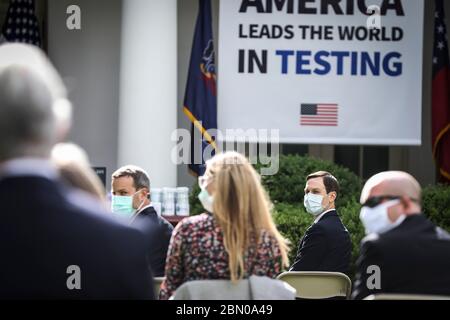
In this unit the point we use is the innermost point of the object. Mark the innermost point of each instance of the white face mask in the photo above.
(206, 200)
(376, 220)
(313, 203)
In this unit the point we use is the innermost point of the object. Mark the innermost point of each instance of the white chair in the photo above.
(254, 288)
(318, 285)
(384, 296)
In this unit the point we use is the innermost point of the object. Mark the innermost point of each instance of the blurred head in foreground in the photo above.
(387, 199)
(34, 110)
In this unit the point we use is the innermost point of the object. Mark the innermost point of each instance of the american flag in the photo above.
(321, 114)
(441, 96)
(21, 24)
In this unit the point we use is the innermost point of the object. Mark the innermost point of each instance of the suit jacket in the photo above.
(413, 258)
(159, 232)
(326, 246)
(45, 229)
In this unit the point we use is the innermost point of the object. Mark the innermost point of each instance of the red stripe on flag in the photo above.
(320, 117)
(319, 121)
(319, 124)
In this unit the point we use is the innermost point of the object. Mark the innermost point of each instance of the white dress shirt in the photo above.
(322, 214)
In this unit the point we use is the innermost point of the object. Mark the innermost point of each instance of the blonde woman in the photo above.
(235, 238)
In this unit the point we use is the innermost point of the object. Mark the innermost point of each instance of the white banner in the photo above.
(315, 70)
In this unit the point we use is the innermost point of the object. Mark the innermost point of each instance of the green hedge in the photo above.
(195, 206)
(292, 221)
(436, 205)
(286, 192)
(288, 184)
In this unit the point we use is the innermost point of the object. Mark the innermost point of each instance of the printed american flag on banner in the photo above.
(322, 114)
(21, 23)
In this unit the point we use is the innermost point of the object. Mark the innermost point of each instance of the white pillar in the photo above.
(148, 88)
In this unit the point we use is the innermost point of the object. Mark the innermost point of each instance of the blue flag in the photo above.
(200, 100)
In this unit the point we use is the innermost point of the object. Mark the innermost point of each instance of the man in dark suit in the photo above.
(404, 253)
(55, 243)
(326, 245)
(131, 199)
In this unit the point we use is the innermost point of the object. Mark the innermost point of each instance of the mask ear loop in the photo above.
(137, 210)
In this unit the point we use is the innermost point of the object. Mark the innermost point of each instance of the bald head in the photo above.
(394, 183)
(398, 185)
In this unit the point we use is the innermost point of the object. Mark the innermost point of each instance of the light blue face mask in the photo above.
(122, 206)
(313, 203)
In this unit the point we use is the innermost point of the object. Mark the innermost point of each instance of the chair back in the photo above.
(157, 281)
(254, 288)
(318, 285)
(384, 296)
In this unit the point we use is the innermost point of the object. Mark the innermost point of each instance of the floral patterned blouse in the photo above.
(197, 252)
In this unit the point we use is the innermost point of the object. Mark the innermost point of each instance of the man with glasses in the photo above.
(403, 253)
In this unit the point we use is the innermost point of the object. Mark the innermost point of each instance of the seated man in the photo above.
(131, 198)
(404, 253)
(326, 245)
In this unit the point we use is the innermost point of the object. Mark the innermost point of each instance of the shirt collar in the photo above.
(146, 207)
(28, 167)
(322, 214)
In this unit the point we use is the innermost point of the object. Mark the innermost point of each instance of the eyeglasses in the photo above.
(203, 181)
(375, 201)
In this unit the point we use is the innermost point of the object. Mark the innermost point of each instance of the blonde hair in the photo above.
(74, 167)
(242, 208)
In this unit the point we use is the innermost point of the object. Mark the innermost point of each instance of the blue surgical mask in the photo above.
(313, 203)
(122, 206)
(206, 200)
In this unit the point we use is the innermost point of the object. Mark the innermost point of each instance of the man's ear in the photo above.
(333, 195)
(146, 193)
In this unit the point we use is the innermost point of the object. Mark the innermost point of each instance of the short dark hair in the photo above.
(330, 182)
(140, 177)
